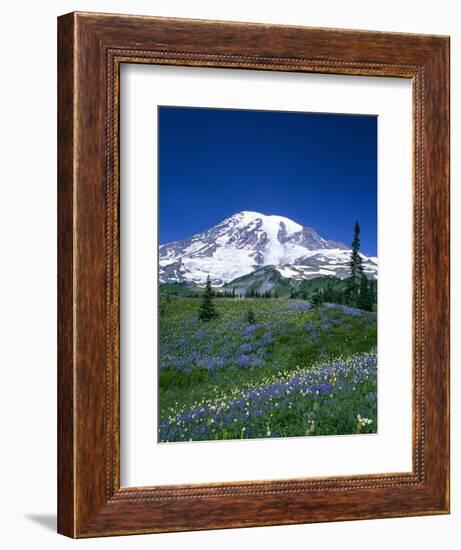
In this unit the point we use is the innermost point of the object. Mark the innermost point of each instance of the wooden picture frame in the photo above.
(92, 47)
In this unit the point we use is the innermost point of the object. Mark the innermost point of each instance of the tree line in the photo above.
(249, 293)
(358, 291)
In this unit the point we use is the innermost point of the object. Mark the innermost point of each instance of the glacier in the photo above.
(249, 240)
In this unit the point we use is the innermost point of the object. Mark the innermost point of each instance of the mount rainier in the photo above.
(249, 241)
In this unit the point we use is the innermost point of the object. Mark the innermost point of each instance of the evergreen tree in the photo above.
(207, 310)
(328, 294)
(316, 299)
(250, 317)
(367, 297)
(374, 291)
(356, 268)
(356, 260)
(363, 293)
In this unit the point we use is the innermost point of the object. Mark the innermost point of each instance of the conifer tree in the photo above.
(356, 268)
(365, 296)
(363, 288)
(250, 317)
(356, 260)
(207, 310)
(316, 299)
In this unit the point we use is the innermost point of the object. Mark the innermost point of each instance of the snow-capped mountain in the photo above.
(249, 240)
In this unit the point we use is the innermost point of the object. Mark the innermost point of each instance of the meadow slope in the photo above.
(289, 370)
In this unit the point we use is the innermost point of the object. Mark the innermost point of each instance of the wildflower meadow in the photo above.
(265, 368)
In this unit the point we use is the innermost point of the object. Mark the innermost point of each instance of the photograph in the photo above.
(267, 274)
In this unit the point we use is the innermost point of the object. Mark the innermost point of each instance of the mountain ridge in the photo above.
(247, 241)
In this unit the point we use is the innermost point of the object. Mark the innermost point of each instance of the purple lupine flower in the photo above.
(246, 348)
(243, 361)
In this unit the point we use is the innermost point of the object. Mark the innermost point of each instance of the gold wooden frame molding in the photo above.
(91, 48)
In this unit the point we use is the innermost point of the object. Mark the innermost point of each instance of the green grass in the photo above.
(201, 359)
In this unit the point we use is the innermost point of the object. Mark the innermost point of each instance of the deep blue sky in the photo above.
(318, 169)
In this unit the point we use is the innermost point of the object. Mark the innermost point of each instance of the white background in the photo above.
(143, 460)
(28, 272)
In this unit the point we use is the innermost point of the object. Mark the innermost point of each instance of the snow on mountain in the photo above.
(249, 240)
(327, 262)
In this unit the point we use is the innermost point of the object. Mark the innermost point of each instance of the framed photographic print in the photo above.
(253, 275)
